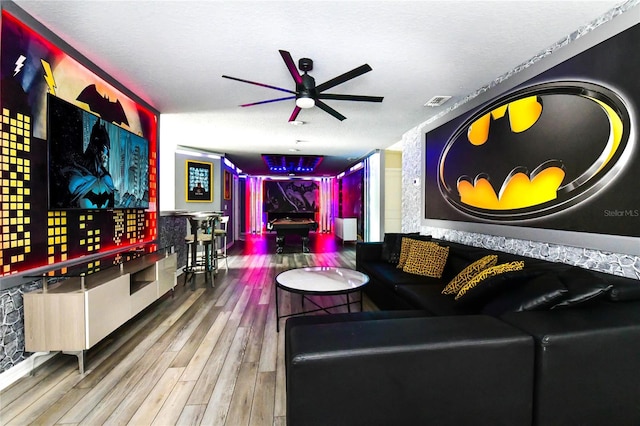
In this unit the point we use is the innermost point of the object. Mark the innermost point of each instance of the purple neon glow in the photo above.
(295, 113)
(288, 60)
(268, 101)
(259, 84)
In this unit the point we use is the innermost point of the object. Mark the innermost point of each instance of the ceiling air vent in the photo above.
(436, 101)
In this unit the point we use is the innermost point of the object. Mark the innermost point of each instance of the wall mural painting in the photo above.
(94, 164)
(33, 69)
(557, 152)
(290, 196)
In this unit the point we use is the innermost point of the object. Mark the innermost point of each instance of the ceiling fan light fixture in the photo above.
(307, 91)
(305, 102)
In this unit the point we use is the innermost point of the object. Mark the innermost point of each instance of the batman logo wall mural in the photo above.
(536, 151)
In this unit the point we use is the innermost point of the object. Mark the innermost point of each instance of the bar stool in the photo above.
(200, 249)
(221, 233)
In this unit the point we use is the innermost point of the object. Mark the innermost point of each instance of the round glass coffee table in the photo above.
(320, 281)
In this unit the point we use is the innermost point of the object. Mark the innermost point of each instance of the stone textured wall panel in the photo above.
(12, 327)
(611, 263)
(172, 230)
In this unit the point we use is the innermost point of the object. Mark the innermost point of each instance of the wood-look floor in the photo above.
(210, 356)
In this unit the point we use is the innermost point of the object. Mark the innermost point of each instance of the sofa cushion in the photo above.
(388, 274)
(489, 281)
(305, 320)
(405, 372)
(405, 247)
(583, 286)
(426, 258)
(404, 251)
(538, 293)
(469, 272)
(392, 244)
(430, 298)
(586, 363)
(455, 264)
(624, 289)
(368, 252)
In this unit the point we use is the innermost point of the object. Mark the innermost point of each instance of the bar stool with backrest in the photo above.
(221, 233)
(200, 248)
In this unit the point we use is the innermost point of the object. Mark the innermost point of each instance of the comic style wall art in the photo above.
(70, 188)
(558, 152)
(199, 181)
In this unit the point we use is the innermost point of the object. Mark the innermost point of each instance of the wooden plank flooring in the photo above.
(210, 356)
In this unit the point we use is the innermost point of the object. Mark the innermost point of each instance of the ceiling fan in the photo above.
(307, 94)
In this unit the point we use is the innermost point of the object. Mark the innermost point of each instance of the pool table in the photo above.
(292, 226)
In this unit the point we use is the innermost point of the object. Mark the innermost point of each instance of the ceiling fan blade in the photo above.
(329, 110)
(344, 77)
(259, 84)
(350, 97)
(288, 60)
(295, 113)
(268, 101)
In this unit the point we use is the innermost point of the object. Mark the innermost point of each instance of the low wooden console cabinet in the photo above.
(76, 313)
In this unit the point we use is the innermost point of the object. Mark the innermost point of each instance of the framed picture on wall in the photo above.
(227, 185)
(199, 181)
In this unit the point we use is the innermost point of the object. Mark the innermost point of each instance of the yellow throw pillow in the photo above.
(405, 248)
(426, 258)
(469, 272)
(490, 272)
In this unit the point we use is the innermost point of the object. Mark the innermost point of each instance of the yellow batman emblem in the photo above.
(535, 151)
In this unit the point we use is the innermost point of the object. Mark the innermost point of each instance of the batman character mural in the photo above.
(534, 152)
(89, 182)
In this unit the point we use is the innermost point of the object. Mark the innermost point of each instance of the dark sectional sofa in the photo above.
(552, 344)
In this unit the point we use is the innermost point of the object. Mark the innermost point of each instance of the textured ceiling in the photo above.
(173, 54)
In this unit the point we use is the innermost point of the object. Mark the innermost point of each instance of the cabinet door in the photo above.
(167, 273)
(143, 297)
(54, 321)
(108, 307)
(350, 229)
(339, 225)
(346, 228)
